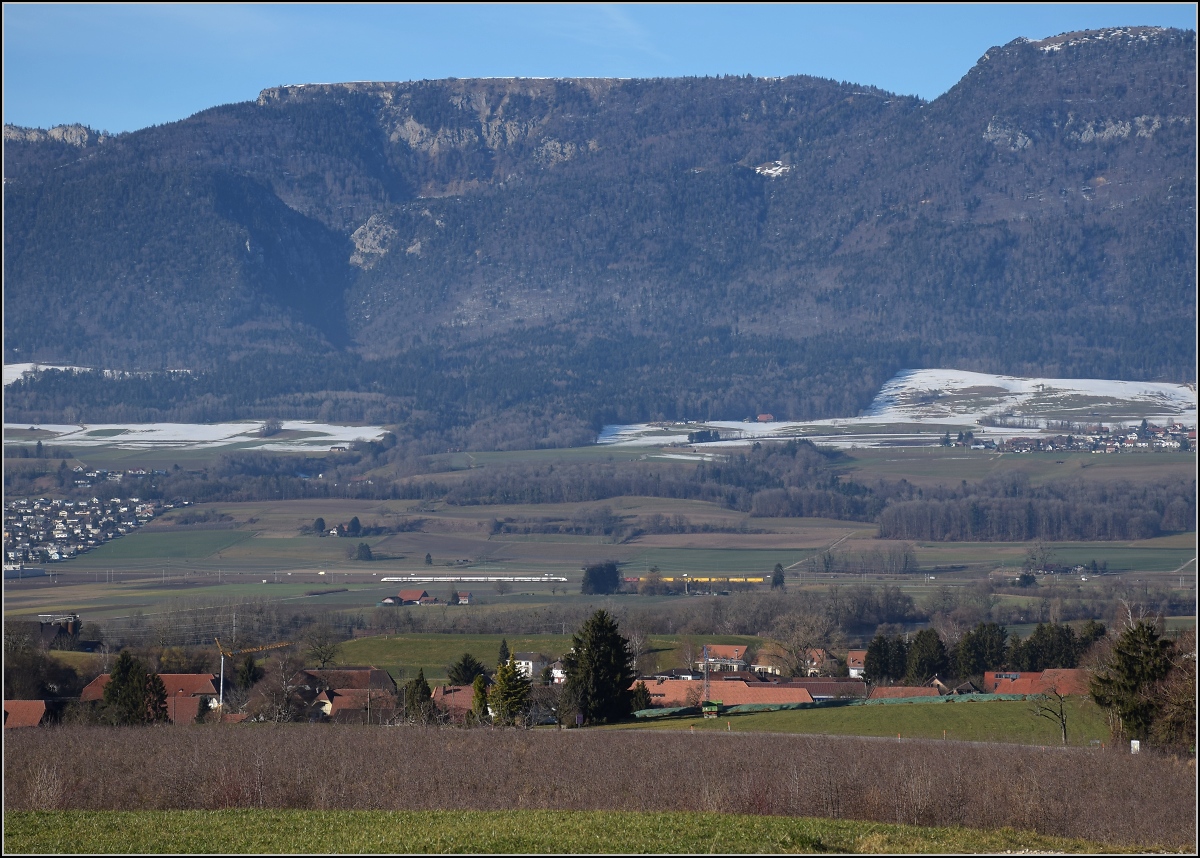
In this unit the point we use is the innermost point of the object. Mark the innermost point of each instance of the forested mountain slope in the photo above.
(615, 250)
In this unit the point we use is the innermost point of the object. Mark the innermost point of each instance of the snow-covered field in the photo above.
(918, 406)
(308, 436)
(913, 409)
(13, 371)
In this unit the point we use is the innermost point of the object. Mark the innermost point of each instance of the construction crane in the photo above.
(230, 653)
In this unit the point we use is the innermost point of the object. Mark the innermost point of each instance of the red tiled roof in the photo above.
(412, 595)
(344, 699)
(827, 687)
(345, 678)
(456, 698)
(191, 684)
(182, 709)
(856, 658)
(894, 692)
(24, 713)
(1065, 681)
(674, 692)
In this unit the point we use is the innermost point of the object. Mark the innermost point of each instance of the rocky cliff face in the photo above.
(73, 135)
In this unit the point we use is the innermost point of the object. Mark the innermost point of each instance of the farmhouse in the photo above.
(531, 664)
(357, 705)
(414, 597)
(856, 661)
(716, 658)
(454, 700)
(1069, 683)
(665, 693)
(185, 693)
(25, 713)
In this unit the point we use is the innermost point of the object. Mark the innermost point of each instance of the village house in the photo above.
(186, 693)
(25, 713)
(856, 663)
(531, 664)
(1067, 682)
(669, 693)
(454, 700)
(347, 693)
(716, 657)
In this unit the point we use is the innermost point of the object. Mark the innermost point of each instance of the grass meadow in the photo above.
(1002, 721)
(511, 832)
(402, 655)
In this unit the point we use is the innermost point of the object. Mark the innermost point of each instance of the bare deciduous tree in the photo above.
(1052, 706)
(797, 634)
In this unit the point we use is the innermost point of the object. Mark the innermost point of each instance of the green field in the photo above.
(513, 832)
(1006, 721)
(142, 545)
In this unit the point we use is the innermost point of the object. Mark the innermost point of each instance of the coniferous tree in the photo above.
(898, 648)
(134, 694)
(418, 698)
(1139, 659)
(641, 698)
(479, 699)
(510, 692)
(598, 671)
(600, 579)
(464, 671)
(980, 650)
(877, 664)
(926, 657)
(503, 651)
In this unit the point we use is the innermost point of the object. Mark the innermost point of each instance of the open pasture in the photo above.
(1003, 721)
(145, 545)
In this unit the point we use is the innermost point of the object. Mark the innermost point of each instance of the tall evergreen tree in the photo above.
(980, 650)
(926, 656)
(877, 664)
(1139, 658)
(599, 672)
(509, 697)
(898, 649)
(418, 698)
(134, 694)
(479, 699)
(464, 671)
(503, 651)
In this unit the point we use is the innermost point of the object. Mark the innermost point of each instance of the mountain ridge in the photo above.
(628, 248)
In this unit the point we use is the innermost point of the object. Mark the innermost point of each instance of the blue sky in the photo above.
(119, 67)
